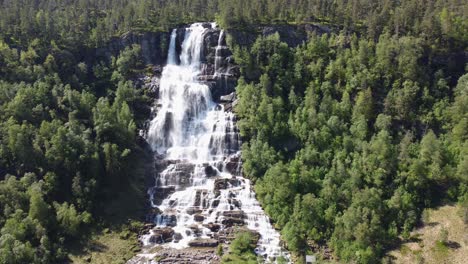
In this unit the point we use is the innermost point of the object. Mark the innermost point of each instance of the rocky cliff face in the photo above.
(219, 70)
(153, 46)
(293, 35)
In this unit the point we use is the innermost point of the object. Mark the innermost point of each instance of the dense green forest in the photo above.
(348, 137)
(67, 147)
(351, 143)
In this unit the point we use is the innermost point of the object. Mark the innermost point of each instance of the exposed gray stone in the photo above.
(203, 243)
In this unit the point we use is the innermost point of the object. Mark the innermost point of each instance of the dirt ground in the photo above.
(443, 223)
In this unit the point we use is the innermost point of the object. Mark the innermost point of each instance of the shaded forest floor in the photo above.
(425, 245)
(115, 239)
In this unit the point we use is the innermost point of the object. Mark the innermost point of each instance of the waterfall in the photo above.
(218, 55)
(200, 190)
(171, 57)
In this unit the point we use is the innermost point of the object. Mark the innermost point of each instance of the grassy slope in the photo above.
(425, 247)
(107, 247)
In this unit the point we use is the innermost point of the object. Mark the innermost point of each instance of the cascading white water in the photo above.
(218, 55)
(171, 56)
(199, 141)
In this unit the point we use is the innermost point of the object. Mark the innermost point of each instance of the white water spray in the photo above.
(200, 143)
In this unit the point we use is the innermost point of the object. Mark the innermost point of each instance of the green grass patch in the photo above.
(440, 250)
(107, 247)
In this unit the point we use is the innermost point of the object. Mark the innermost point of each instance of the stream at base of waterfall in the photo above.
(199, 190)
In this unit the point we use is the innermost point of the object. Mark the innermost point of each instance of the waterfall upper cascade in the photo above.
(199, 191)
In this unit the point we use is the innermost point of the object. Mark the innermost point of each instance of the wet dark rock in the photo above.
(170, 220)
(233, 218)
(160, 193)
(172, 203)
(162, 235)
(161, 163)
(231, 221)
(178, 175)
(233, 165)
(223, 84)
(222, 184)
(234, 214)
(180, 35)
(213, 227)
(206, 25)
(235, 203)
(215, 203)
(196, 230)
(207, 71)
(177, 237)
(146, 228)
(154, 211)
(167, 126)
(210, 171)
(194, 210)
(198, 197)
(203, 243)
(198, 218)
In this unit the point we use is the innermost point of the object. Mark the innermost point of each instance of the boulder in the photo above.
(234, 214)
(198, 198)
(210, 171)
(233, 218)
(169, 220)
(214, 203)
(146, 228)
(213, 227)
(234, 202)
(195, 229)
(223, 183)
(203, 243)
(198, 218)
(177, 237)
(233, 167)
(229, 221)
(228, 98)
(162, 235)
(194, 210)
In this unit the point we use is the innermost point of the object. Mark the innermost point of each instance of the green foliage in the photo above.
(69, 219)
(241, 249)
(352, 139)
(128, 60)
(348, 138)
(69, 146)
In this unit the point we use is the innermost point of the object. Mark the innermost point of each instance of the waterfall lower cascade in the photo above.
(199, 194)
